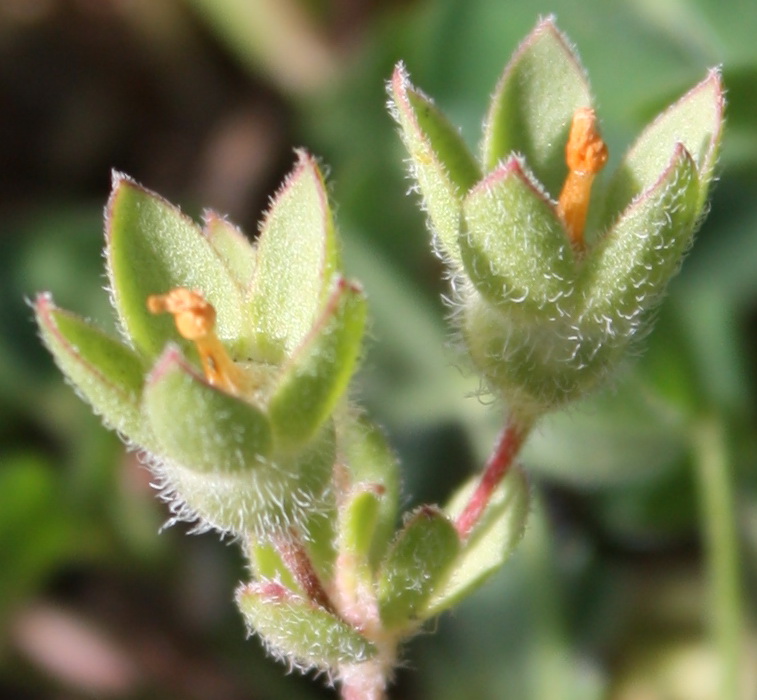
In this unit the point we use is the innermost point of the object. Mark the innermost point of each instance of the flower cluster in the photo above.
(249, 447)
(546, 310)
(232, 378)
(233, 368)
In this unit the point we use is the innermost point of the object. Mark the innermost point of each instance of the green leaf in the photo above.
(696, 121)
(296, 630)
(670, 376)
(627, 273)
(664, 507)
(106, 373)
(315, 378)
(203, 427)
(442, 165)
(282, 41)
(490, 543)
(297, 257)
(514, 248)
(231, 245)
(217, 457)
(373, 466)
(153, 248)
(38, 533)
(415, 565)
(533, 105)
(614, 440)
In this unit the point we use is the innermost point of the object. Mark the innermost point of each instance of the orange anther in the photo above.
(586, 155)
(195, 320)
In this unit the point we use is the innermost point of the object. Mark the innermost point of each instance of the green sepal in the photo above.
(627, 273)
(200, 426)
(267, 564)
(372, 466)
(558, 358)
(315, 378)
(317, 533)
(215, 454)
(514, 248)
(358, 517)
(536, 365)
(296, 630)
(152, 248)
(417, 562)
(108, 374)
(442, 164)
(357, 523)
(231, 245)
(696, 121)
(534, 103)
(297, 257)
(491, 542)
(316, 529)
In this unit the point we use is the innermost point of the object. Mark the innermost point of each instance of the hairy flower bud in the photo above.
(247, 444)
(545, 315)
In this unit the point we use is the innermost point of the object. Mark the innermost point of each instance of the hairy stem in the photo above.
(721, 543)
(297, 560)
(508, 444)
(365, 681)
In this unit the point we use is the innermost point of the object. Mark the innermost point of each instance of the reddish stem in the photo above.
(297, 560)
(508, 444)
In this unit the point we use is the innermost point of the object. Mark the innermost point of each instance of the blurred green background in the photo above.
(204, 101)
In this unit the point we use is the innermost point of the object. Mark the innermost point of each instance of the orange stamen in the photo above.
(586, 155)
(195, 320)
